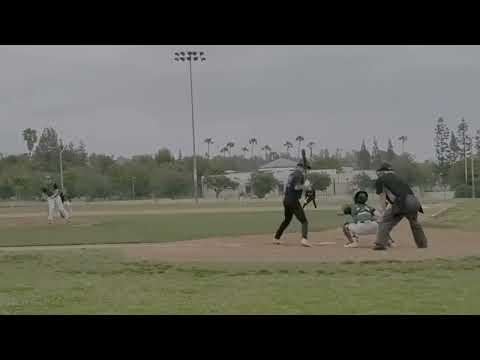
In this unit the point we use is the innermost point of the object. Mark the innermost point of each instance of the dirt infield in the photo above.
(328, 247)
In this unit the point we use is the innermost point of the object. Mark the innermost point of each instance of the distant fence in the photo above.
(322, 198)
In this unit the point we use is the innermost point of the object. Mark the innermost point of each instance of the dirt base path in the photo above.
(328, 247)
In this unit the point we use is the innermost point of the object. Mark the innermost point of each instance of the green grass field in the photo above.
(464, 215)
(143, 205)
(100, 281)
(96, 282)
(154, 228)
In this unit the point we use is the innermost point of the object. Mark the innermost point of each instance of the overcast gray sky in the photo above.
(126, 100)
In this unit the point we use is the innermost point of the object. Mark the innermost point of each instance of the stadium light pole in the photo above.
(62, 149)
(133, 187)
(190, 56)
(473, 177)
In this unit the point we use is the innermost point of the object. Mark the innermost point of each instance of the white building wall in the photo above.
(341, 181)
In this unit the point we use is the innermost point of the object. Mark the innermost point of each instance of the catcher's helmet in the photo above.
(360, 197)
(385, 167)
(304, 166)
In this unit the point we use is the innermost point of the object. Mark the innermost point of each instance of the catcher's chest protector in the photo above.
(362, 213)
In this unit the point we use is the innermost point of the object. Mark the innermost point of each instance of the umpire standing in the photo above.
(392, 189)
(291, 203)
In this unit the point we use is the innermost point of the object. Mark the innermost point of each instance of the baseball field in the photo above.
(217, 258)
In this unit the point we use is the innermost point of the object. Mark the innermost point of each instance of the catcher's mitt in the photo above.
(310, 197)
(347, 210)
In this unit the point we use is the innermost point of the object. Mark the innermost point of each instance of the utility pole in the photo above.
(473, 177)
(62, 148)
(133, 187)
(190, 56)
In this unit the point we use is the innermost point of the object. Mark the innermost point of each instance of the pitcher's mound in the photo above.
(327, 246)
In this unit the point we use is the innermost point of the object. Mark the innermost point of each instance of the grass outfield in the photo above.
(464, 215)
(142, 205)
(97, 282)
(153, 228)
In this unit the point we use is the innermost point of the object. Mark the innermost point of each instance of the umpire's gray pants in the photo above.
(392, 217)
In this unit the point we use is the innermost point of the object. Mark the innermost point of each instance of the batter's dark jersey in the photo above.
(297, 177)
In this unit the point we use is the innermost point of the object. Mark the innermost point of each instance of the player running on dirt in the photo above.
(54, 200)
(67, 202)
(291, 203)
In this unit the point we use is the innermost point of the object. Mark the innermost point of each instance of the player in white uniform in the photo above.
(54, 201)
(67, 203)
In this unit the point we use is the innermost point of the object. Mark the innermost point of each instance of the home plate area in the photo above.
(328, 246)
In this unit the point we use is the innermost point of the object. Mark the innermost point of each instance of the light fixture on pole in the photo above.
(190, 56)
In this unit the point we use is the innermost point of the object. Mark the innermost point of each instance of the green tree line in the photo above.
(93, 176)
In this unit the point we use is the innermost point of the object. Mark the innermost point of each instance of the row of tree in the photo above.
(453, 150)
(162, 175)
(262, 183)
(104, 176)
(252, 142)
(362, 159)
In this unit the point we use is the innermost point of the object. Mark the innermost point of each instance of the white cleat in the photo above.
(353, 244)
(277, 241)
(305, 243)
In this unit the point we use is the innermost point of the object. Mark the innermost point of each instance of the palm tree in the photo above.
(299, 139)
(252, 142)
(338, 153)
(224, 150)
(288, 145)
(230, 145)
(403, 139)
(267, 149)
(209, 142)
(245, 149)
(310, 145)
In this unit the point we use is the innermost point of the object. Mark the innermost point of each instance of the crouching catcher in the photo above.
(361, 219)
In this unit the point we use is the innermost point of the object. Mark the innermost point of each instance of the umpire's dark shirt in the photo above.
(393, 184)
(295, 178)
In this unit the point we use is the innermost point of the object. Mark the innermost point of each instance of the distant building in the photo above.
(344, 179)
(341, 181)
(121, 160)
